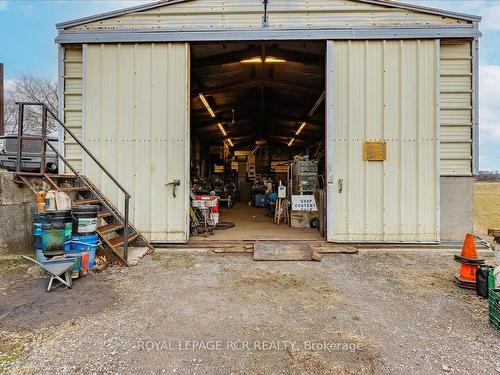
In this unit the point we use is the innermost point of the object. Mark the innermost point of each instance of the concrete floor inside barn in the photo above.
(376, 312)
(251, 223)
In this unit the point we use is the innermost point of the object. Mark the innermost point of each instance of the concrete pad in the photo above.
(136, 253)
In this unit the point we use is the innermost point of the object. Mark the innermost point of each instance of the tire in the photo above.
(314, 223)
(223, 225)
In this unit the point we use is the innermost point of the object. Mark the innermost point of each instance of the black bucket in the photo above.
(62, 216)
(482, 274)
(84, 220)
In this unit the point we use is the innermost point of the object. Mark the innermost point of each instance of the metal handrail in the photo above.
(46, 110)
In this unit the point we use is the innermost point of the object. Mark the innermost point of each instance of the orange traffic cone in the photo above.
(469, 262)
(468, 272)
(469, 248)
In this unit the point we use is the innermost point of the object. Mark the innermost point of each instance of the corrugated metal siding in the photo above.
(456, 108)
(227, 14)
(73, 73)
(137, 124)
(383, 90)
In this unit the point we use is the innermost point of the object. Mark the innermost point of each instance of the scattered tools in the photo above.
(469, 263)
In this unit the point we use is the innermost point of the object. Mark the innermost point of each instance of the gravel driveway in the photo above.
(193, 312)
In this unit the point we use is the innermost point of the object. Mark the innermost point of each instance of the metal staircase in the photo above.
(116, 232)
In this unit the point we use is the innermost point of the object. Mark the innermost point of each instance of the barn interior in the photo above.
(257, 140)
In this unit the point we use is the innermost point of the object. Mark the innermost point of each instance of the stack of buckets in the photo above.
(52, 231)
(67, 232)
(84, 236)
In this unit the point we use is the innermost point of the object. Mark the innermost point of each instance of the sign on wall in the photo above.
(374, 151)
(304, 203)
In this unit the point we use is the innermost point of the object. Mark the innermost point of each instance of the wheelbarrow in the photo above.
(56, 268)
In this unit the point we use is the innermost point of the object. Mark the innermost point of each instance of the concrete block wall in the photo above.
(17, 204)
(457, 203)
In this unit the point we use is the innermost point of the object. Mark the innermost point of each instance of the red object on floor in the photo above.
(211, 201)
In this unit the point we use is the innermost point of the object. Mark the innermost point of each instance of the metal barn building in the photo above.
(149, 88)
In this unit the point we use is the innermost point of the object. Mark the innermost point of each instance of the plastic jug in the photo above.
(50, 201)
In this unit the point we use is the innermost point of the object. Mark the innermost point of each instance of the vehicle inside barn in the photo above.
(257, 140)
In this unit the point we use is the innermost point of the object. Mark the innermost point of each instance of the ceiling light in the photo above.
(256, 60)
(230, 142)
(301, 127)
(223, 131)
(204, 100)
(274, 60)
(291, 141)
(253, 60)
(316, 105)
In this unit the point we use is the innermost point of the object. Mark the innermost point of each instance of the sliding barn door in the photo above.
(382, 141)
(136, 121)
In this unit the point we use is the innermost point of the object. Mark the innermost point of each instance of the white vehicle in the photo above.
(31, 154)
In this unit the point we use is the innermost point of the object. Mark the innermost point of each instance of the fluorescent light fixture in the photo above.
(270, 59)
(316, 105)
(300, 129)
(291, 141)
(223, 131)
(230, 142)
(256, 60)
(253, 60)
(204, 100)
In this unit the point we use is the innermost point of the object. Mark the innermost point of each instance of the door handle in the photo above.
(174, 184)
(340, 183)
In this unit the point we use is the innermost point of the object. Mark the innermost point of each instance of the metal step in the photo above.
(109, 228)
(118, 241)
(74, 188)
(80, 202)
(62, 176)
(104, 214)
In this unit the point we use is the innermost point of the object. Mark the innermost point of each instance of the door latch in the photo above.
(174, 184)
(340, 183)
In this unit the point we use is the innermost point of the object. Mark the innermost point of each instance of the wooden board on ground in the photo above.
(284, 251)
(234, 249)
(494, 232)
(334, 249)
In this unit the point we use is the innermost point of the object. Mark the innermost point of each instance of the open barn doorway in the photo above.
(258, 140)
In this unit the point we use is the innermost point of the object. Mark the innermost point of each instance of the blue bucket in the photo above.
(79, 244)
(40, 256)
(38, 220)
(67, 236)
(37, 232)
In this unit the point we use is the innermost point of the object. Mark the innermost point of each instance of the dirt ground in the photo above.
(194, 312)
(486, 206)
